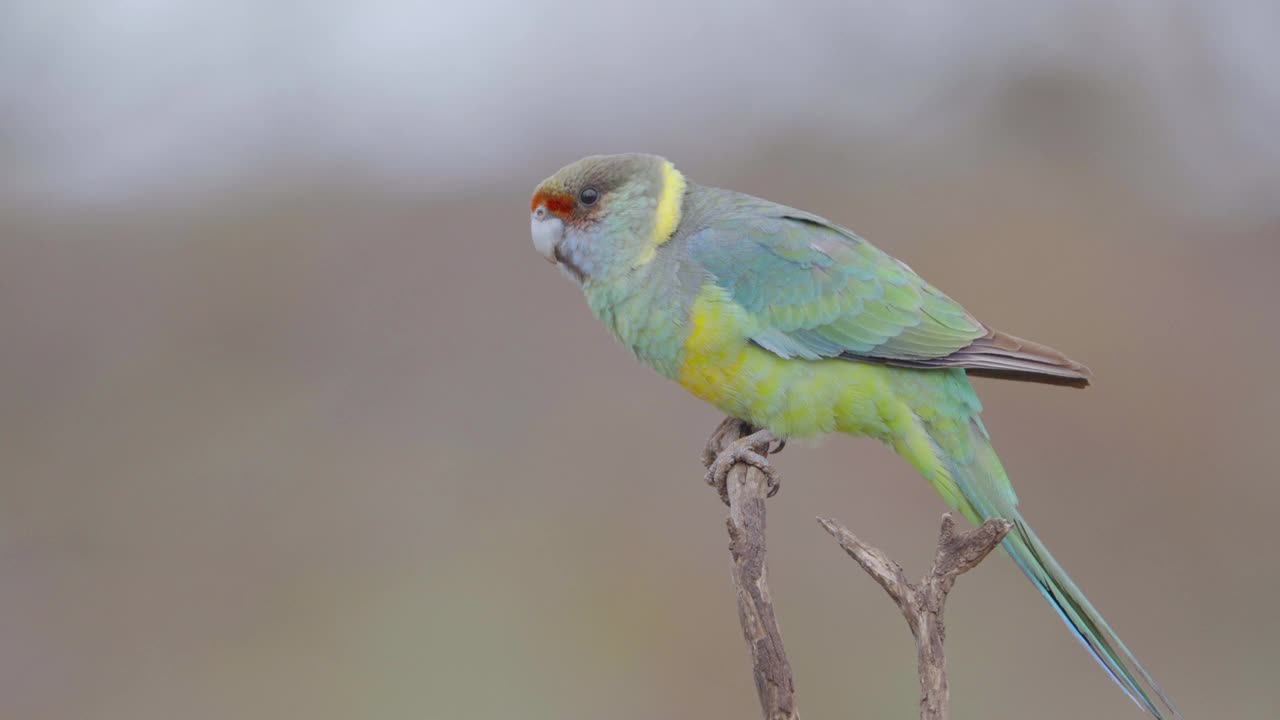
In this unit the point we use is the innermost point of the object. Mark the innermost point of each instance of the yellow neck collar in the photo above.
(666, 216)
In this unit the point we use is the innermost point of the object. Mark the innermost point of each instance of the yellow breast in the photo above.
(716, 348)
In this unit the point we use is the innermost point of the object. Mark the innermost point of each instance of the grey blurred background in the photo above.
(295, 423)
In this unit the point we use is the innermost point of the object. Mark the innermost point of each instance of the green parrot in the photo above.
(789, 322)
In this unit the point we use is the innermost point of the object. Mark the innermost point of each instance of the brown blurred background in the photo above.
(295, 423)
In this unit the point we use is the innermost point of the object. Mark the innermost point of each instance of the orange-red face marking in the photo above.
(558, 204)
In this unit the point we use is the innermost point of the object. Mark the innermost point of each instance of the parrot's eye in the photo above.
(589, 196)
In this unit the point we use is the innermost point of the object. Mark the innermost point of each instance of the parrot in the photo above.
(799, 327)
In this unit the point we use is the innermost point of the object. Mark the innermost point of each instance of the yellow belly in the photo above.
(792, 398)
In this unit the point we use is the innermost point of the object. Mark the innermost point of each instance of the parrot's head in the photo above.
(606, 213)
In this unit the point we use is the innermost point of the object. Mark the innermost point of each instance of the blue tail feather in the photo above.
(986, 492)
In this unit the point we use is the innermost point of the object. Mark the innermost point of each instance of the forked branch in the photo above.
(923, 603)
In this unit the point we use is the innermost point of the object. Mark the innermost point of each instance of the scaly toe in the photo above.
(773, 481)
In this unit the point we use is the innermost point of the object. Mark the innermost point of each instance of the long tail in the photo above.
(967, 473)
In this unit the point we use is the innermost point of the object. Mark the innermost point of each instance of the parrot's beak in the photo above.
(547, 231)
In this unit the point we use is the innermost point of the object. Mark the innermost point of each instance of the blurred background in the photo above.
(295, 423)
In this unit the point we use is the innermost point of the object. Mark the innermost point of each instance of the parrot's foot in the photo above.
(752, 450)
(730, 424)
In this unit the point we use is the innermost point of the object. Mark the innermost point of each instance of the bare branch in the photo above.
(736, 457)
(883, 570)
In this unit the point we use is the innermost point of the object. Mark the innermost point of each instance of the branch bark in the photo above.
(922, 604)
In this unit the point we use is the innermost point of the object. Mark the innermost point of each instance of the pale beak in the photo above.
(547, 231)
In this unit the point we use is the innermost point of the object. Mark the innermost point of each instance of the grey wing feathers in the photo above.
(1004, 356)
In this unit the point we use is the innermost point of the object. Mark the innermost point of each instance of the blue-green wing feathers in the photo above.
(816, 290)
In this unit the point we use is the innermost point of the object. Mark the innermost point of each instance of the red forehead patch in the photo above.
(558, 204)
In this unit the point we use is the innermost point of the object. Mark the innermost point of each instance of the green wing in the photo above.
(816, 290)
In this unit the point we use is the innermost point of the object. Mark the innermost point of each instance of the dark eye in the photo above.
(589, 196)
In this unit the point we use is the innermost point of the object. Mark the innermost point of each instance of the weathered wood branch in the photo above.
(745, 489)
(923, 603)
